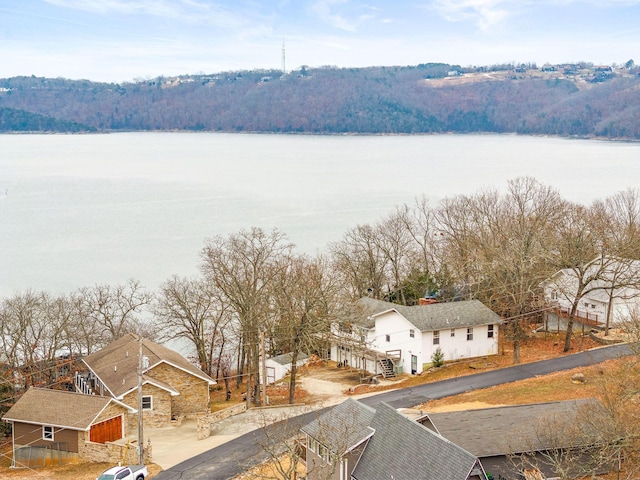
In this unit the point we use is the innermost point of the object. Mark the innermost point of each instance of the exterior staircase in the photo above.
(387, 367)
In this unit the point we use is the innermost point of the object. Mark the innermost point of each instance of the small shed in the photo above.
(277, 367)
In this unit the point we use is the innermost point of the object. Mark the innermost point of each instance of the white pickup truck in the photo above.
(131, 472)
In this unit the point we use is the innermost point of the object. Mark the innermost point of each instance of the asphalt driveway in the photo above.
(236, 456)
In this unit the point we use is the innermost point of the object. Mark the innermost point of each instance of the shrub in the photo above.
(437, 358)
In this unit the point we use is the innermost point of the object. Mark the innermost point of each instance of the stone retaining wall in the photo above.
(602, 340)
(111, 452)
(203, 424)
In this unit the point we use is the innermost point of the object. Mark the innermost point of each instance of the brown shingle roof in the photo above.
(57, 408)
(116, 364)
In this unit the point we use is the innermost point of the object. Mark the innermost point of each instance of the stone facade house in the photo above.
(172, 387)
(391, 336)
(53, 426)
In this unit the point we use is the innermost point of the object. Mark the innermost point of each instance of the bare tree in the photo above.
(190, 309)
(361, 262)
(243, 268)
(306, 298)
(114, 310)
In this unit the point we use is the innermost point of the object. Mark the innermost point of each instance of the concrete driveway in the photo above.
(173, 445)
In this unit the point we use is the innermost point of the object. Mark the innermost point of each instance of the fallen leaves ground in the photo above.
(537, 347)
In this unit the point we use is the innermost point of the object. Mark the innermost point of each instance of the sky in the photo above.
(129, 40)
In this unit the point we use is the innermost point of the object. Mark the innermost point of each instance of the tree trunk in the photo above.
(292, 381)
(567, 338)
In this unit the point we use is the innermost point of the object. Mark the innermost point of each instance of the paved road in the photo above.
(232, 458)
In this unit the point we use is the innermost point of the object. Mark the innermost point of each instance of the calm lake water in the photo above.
(76, 210)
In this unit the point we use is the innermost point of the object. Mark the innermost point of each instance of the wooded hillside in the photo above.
(576, 100)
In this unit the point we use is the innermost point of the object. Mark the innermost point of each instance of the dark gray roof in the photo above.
(437, 316)
(285, 358)
(405, 450)
(513, 429)
(343, 427)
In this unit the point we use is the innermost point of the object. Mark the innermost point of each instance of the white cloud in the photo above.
(349, 18)
(187, 11)
(485, 13)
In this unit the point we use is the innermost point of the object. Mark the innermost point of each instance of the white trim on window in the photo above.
(48, 433)
(436, 337)
(469, 334)
(147, 402)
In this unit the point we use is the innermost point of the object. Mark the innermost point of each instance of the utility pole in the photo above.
(263, 364)
(140, 424)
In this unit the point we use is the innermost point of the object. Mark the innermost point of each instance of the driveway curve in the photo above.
(230, 459)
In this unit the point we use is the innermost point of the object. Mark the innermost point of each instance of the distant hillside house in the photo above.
(405, 338)
(172, 387)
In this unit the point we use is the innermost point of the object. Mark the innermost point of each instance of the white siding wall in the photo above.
(457, 346)
(399, 331)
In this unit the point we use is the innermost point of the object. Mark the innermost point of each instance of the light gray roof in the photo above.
(405, 450)
(74, 411)
(116, 364)
(512, 429)
(285, 358)
(437, 316)
(343, 427)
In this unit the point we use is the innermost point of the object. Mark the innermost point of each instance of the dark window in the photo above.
(469, 334)
(147, 402)
(490, 331)
(436, 337)
(388, 338)
(453, 332)
(412, 333)
(47, 432)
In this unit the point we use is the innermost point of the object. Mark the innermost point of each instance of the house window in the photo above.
(490, 331)
(436, 337)
(312, 445)
(47, 432)
(453, 332)
(323, 452)
(554, 295)
(412, 333)
(388, 338)
(147, 402)
(469, 334)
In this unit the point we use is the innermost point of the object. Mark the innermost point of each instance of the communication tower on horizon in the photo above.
(284, 70)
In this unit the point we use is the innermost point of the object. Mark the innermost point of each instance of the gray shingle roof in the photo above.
(512, 429)
(54, 407)
(116, 364)
(437, 316)
(343, 427)
(405, 450)
(285, 358)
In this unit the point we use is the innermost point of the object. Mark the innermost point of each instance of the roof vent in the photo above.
(115, 368)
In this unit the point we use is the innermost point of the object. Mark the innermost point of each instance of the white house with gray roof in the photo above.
(410, 335)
